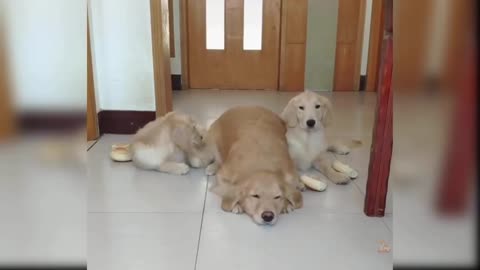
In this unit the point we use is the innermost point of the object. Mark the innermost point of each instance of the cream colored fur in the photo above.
(170, 144)
(308, 145)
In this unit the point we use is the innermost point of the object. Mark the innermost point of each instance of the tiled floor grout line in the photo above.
(386, 225)
(96, 141)
(201, 224)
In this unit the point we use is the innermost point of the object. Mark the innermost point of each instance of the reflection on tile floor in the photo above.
(150, 220)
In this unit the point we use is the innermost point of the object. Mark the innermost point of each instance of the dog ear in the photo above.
(181, 136)
(292, 196)
(327, 116)
(198, 136)
(289, 114)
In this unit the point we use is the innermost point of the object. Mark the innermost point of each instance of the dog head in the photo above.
(187, 134)
(309, 111)
(190, 137)
(263, 196)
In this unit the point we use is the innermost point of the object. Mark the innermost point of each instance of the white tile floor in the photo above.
(149, 220)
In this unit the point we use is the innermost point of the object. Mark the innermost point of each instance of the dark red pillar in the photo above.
(382, 140)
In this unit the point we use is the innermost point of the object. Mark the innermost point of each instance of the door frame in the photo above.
(92, 118)
(160, 25)
(375, 45)
(7, 114)
(348, 52)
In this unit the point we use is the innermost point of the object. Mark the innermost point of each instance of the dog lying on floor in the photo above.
(254, 172)
(170, 144)
(307, 115)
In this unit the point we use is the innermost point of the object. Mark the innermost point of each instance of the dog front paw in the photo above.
(339, 178)
(288, 209)
(211, 169)
(237, 209)
(301, 187)
(181, 169)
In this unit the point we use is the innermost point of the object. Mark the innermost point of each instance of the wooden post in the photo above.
(161, 56)
(92, 120)
(7, 115)
(382, 141)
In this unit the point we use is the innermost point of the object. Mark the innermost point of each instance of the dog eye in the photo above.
(277, 197)
(255, 196)
(317, 106)
(301, 108)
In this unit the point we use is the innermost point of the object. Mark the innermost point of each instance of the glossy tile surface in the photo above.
(150, 220)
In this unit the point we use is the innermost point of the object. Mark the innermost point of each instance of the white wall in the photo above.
(123, 54)
(122, 48)
(176, 62)
(366, 38)
(46, 40)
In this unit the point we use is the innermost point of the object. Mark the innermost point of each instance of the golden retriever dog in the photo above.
(254, 172)
(171, 144)
(307, 115)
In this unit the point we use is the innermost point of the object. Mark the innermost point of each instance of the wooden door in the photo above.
(234, 67)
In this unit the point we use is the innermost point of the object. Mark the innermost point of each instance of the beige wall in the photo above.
(321, 43)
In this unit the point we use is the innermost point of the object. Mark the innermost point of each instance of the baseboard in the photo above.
(50, 121)
(363, 82)
(176, 82)
(123, 122)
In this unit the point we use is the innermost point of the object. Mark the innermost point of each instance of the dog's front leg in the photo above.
(323, 164)
(174, 168)
(212, 169)
(230, 204)
(338, 148)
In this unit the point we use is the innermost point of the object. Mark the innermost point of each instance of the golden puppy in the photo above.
(307, 115)
(170, 144)
(255, 172)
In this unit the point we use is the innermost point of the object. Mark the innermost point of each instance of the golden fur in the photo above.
(171, 144)
(255, 173)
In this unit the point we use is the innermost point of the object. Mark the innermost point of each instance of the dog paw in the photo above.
(288, 209)
(301, 187)
(237, 209)
(181, 169)
(344, 168)
(211, 169)
(339, 149)
(339, 178)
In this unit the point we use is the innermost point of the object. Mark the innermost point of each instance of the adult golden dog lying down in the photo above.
(254, 172)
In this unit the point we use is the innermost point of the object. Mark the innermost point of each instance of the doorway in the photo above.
(234, 44)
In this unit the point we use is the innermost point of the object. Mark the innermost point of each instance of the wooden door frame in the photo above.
(286, 81)
(184, 44)
(159, 16)
(7, 114)
(293, 45)
(375, 45)
(92, 118)
(348, 51)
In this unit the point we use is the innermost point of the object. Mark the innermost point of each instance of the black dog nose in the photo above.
(268, 216)
(311, 123)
